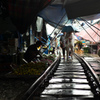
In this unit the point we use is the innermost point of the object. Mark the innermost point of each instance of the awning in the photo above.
(93, 36)
(79, 8)
(67, 29)
(91, 17)
(24, 12)
(55, 15)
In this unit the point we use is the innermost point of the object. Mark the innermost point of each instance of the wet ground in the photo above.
(11, 88)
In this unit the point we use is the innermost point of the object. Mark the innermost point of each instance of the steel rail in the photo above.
(41, 80)
(92, 76)
(44, 78)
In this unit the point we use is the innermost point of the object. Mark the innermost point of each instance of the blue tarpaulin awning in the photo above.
(55, 15)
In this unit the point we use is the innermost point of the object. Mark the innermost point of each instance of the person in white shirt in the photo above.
(69, 45)
(67, 42)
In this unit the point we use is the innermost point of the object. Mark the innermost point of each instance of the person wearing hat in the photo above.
(32, 52)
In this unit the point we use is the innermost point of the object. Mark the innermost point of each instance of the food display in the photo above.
(30, 69)
(34, 68)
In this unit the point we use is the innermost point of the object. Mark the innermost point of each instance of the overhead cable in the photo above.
(90, 24)
(54, 30)
(91, 27)
(86, 31)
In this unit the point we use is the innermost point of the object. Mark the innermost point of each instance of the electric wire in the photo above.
(85, 30)
(91, 27)
(54, 30)
(90, 24)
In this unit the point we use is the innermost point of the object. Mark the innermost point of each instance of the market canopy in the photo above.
(55, 15)
(90, 17)
(60, 12)
(23, 13)
(79, 8)
(92, 33)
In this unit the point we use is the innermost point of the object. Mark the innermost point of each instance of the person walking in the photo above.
(69, 45)
(63, 43)
(68, 41)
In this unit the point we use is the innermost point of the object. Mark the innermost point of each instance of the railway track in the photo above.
(94, 62)
(75, 80)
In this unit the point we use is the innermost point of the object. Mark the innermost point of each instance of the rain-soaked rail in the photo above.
(74, 80)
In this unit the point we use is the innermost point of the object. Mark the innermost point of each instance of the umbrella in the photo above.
(94, 35)
(67, 29)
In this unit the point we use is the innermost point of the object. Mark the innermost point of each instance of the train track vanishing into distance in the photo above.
(73, 80)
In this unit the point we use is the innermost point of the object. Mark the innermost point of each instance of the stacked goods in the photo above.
(30, 69)
(34, 68)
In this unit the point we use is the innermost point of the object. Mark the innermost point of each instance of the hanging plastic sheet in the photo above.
(39, 24)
